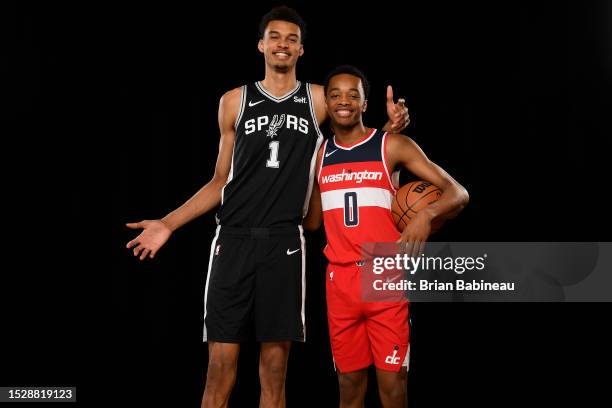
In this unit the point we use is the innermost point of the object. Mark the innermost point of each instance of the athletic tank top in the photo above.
(356, 195)
(273, 161)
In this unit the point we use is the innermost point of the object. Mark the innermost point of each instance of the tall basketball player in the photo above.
(263, 179)
(353, 195)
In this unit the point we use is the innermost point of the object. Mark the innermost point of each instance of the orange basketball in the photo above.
(410, 199)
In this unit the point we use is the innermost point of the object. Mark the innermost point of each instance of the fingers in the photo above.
(411, 246)
(415, 250)
(389, 94)
(399, 116)
(132, 243)
(137, 250)
(144, 254)
(421, 248)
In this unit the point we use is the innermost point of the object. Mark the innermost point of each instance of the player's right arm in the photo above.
(155, 233)
(314, 218)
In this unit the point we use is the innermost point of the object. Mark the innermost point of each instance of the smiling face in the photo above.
(281, 45)
(345, 100)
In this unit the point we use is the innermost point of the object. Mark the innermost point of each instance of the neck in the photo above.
(349, 135)
(279, 83)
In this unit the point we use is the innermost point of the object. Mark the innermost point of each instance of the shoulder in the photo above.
(229, 106)
(317, 90)
(318, 99)
(231, 97)
(398, 144)
(398, 139)
(403, 148)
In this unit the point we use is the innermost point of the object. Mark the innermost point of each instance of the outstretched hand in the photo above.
(397, 112)
(155, 234)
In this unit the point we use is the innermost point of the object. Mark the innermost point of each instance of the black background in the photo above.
(111, 114)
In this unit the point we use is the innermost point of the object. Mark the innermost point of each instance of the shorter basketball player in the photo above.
(354, 201)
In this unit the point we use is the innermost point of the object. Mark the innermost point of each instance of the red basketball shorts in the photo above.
(364, 333)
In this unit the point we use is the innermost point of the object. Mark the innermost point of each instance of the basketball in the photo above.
(410, 199)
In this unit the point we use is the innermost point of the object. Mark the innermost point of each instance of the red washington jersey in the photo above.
(356, 195)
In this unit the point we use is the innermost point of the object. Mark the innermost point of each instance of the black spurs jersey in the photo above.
(273, 161)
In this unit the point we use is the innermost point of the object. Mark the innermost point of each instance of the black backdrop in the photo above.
(113, 119)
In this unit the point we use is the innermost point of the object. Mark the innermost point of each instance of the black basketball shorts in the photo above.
(255, 285)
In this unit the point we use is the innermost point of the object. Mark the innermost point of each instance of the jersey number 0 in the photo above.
(351, 209)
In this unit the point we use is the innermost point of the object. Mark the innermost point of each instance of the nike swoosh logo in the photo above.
(251, 104)
(292, 252)
(330, 153)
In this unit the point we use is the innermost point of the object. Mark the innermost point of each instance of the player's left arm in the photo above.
(397, 112)
(402, 150)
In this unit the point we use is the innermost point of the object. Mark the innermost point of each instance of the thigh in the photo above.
(393, 387)
(280, 290)
(229, 292)
(389, 333)
(350, 344)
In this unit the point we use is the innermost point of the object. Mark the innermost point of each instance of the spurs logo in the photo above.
(275, 124)
(291, 122)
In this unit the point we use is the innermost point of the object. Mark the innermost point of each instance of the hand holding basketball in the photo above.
(410, 199)
(415, 225)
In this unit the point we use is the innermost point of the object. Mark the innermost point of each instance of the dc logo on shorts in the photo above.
(217, 249)
(393, 359)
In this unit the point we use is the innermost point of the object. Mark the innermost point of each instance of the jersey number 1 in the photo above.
(273, 160)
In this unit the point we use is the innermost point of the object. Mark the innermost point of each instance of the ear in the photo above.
(365, 105)
(260, 46)
(301, 50)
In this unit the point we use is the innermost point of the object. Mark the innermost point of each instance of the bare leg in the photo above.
(393, 388)
(353, 387)
(272, 373)
(221, 375)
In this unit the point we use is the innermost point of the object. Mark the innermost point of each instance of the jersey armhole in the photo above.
(243, 92)
(383, 152)
(321, 164)
(312, 111)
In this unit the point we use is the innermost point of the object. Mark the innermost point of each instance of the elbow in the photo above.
(465, 197)
(218, 181)
(462, 198)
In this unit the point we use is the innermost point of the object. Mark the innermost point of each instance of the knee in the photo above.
(396, 393)
(220, 373)
(393, 390)
(272, 371)
(351, 388)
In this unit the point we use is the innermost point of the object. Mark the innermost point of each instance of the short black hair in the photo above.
(283, 13)
(351, 70)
